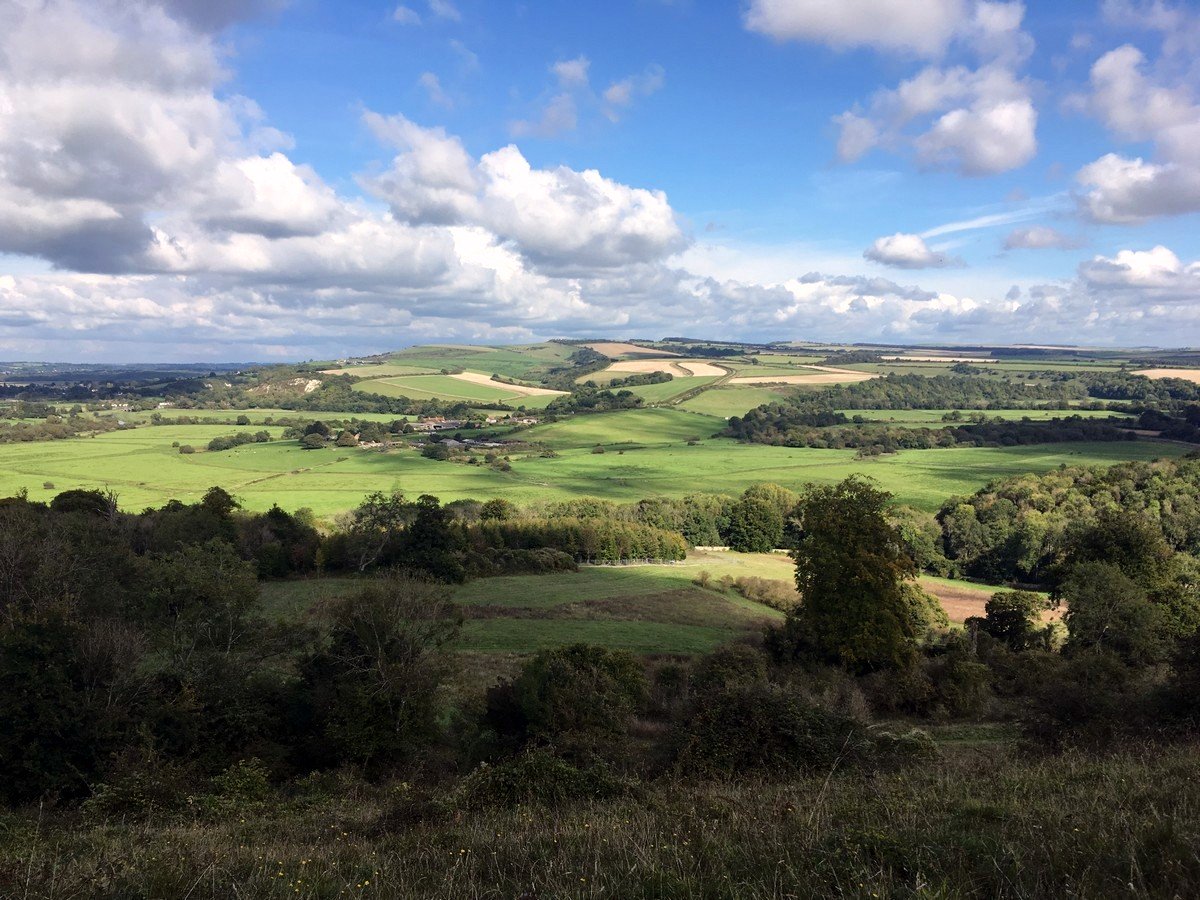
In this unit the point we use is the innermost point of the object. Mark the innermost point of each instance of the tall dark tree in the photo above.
(851, 569)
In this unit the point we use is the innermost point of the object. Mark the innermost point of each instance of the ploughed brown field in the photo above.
(962, 601)
(1185, 374)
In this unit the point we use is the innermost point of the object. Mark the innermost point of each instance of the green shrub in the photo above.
(912, 746)
(536, 777)
(246, 780)
(764, 727)
(138, 789)
(734, 664)
(578, 699)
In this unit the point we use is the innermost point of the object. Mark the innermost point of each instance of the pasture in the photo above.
(646, 609)
(513, 362)
(381, 370)
(646, 454)
(453, 388)
(734, 400)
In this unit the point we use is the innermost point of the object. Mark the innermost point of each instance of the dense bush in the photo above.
(371, 695)
(749, 726)
(535, 777)
(577, 699)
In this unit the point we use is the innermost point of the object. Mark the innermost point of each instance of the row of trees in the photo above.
(54, 428)
(783, 426)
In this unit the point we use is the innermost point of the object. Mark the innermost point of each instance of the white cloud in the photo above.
(433, 87)
(1038, 237)
(923, 29)
(406, 15)
(1156, 273)
(444, 9)
(269, 196)
(983, 139)
(977, 121)
(572, 72)
(620, 94)
(559, 116)
(907, 251)
(1137, 107)
(559, 218)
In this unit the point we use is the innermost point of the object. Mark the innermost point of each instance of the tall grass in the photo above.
(981, 823)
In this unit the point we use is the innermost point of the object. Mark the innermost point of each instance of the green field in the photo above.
(514, 362)
(644, 609)
(735, 400)
(651, 609)
(143, 468)
(382, 370)
(445, 387)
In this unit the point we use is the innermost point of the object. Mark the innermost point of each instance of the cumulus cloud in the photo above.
(1137, 106)
(1156, 273)
(557, 218)
(1038, 237)
(923, 29)
(181, 226)
(977, 121)
(907, 251)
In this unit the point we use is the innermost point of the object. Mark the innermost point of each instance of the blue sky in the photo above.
(272, 179)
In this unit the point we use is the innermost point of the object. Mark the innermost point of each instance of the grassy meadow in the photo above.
(646, 454)
(678, 609)
(646, 609)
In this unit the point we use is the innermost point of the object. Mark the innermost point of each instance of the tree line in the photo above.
(144, 682)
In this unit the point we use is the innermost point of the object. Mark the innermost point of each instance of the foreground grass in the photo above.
(975, 824)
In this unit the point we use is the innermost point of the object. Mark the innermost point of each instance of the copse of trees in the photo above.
(588, 399)
(635, 380)
(240, 439)
(55, 428)
(1020, 528)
